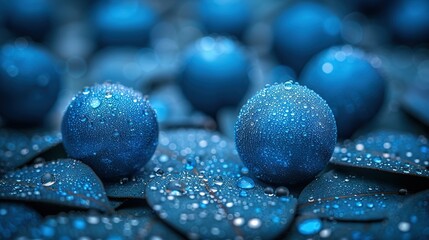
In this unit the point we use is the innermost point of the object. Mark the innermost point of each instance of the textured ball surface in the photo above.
(111, 128)
(303, 30)
(30, 80)
(350, 84)
(229, 17)
(285, 134)
(125, 22)
(214, 74)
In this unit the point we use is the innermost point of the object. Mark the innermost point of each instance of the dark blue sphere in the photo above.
(227, 17)
(349, 81)
(409, 20)
(30, 81)
(124, 22)
(285, 134)
(32, 18)
(111, 128)
(214, 74)
(303, 30)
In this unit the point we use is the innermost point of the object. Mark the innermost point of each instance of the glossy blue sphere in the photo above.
(214, 74)
(409, 20)
(349, 81)
(285, 134)
(29, 18)
(227, 17)
(125, 22)
(30, 81)
(303, 30)
(111, 128)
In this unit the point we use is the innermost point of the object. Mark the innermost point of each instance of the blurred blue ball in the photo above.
(347, 80)
(111, 128)
(33, 18)
(303, 30)
(285, 134)
(128, 66)
(227, 17)
(409, 20)
(30, 81)
(214, 74)
(280, 74)
(123, 22)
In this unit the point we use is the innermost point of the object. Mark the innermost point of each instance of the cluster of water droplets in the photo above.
(65, 182)
(350, 197)
(17, 148)
(212, 194)
(388, 151)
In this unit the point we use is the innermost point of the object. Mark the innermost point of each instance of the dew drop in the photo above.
(159, 172)
(282, 191)
(108, 94)
(85, 90)
(254, 223)
(309, 226)
(245, 183)
(325, 233)
(404, 226)
(288, 85)
(218, 180)
(269, 191)
(403, 191)
(48, 179)
(95, 103)
(238, 221)
(176, 188)
(377, 159)
(244, 170)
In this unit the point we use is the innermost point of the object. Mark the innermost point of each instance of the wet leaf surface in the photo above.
(310, 227)
(212, 196)
(18, 147)
(394, 152)
(348, 196)
(134, 186)
(410, 220)
(15, 217)
(63, 182)
(97, 226)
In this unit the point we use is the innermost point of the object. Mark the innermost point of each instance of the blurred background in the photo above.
(200, 60)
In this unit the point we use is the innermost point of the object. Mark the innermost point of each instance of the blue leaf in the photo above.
(310, 227)
(64, 182)
(18, 147)
(212, 197)
(98, 226)
(393, 152)
(410, 221)
(140, 209)
(134, 186)
(14, 217)
(343, 196)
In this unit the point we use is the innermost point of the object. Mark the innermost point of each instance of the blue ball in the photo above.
(214, 74)
(33, 18)
(228, 17)
(125, 22)
(348, 81)
(303, 30)
(285, 134)
(409, 20)
(111, 128)
(30, 81)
